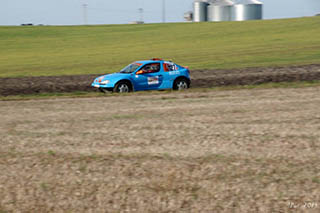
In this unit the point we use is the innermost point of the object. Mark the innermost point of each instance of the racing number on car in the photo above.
(153, 80)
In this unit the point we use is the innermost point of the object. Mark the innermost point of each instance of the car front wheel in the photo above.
(122, 87)
(180, 84)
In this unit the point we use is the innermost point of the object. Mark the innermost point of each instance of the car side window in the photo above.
(151, 68)
(169, 67)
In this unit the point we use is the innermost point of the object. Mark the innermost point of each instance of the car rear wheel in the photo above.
(122, 87)
(180, 84)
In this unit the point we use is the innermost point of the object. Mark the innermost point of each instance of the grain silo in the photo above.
(247, 10)
(200, 11)
(220, 10)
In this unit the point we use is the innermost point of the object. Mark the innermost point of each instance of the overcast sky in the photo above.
(70, 12)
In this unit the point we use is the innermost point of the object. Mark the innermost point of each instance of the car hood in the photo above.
(113, 76)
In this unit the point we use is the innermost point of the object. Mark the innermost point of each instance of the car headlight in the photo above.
(105, 82)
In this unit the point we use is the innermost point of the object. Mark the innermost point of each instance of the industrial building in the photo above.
(225, 10)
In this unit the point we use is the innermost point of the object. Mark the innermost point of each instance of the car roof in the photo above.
(145, 62)
(150, 61)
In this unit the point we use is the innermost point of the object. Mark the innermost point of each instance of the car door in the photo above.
(170, 73)
(149, 77)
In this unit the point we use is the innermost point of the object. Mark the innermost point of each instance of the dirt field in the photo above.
(219, 151)
(200, 78)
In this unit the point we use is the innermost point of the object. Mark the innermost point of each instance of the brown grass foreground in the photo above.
(216, 151)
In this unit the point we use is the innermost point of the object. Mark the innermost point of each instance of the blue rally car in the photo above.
(155, 74)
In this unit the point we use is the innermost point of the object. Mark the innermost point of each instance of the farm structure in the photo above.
(226, 10)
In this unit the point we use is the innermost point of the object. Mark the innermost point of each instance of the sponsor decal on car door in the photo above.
(153, 80)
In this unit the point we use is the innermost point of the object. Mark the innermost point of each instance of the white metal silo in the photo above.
(247, 10)
(220, 10)
(200, 11)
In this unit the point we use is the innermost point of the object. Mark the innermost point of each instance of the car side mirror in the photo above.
(139, 72)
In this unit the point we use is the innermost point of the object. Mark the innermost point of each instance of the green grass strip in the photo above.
(69, 50)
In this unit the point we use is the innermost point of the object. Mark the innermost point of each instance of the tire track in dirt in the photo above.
(200, 79)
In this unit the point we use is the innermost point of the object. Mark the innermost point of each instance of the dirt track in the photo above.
(200, 78)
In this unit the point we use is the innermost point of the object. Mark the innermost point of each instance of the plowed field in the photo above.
(218, 151)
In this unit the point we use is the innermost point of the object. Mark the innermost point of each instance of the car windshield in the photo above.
(130, 68)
